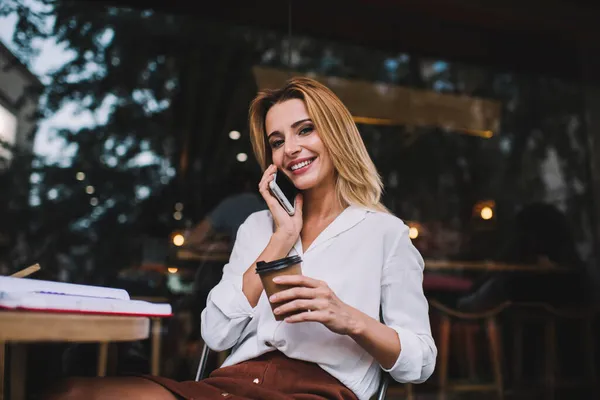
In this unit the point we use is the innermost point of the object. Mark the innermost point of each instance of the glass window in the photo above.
(462, 149)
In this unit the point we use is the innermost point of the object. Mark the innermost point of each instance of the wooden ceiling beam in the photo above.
(515, 36)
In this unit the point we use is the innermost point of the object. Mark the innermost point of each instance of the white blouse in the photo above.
(368, 260)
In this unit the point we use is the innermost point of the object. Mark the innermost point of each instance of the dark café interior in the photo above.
(126, 163)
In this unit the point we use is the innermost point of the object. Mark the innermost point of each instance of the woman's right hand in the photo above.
(286, 227)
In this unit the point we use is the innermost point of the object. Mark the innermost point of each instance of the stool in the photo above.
(551, 318)
(489, 319)
(519, 315)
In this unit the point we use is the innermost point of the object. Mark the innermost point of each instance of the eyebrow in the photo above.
(294, 125)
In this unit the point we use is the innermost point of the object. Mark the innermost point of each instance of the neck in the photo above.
(321, 203)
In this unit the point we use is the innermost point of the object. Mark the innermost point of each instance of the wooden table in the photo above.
(188, 255)
(22, 327)
(489, 266)
(430, 264)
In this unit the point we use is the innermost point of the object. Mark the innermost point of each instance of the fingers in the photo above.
(293, 293)
(308, 316)
(263, 186)
(313, 305)
(267, 177)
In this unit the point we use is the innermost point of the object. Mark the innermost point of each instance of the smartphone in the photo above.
(284, 191)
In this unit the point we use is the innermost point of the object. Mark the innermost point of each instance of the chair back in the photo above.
(383, 386)
(201, 372)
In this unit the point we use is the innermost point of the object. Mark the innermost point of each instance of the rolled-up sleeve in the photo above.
(227, 309)
(405, 309)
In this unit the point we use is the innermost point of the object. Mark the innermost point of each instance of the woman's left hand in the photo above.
(314, 301)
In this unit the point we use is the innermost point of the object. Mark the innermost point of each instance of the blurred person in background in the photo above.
(223, 220)
(230, 213)
(541, 237)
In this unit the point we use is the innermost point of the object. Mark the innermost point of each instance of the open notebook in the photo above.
(38, 295)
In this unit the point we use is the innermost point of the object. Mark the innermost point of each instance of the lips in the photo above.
(295, 165)
(299, 166)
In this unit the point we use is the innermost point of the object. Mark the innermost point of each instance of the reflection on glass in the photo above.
(171, 118)
(8, 133)
(178, 240)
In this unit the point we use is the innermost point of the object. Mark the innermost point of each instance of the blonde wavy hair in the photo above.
(357, 179)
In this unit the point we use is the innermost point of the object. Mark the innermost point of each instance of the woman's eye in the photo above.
(276, 143)
(306, 130)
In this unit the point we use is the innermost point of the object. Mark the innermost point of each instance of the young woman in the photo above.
(359, 265)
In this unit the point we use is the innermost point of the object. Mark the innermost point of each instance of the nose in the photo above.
(291, 146)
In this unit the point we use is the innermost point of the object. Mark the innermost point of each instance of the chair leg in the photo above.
(102, 359)
(471, 351)
(495, 355)
(590, 345)
(517, 352)
(458, 343)
(443, 354)
(156, 339)
(410, 394)
(18, 371)
(2, 357)
(550, 370)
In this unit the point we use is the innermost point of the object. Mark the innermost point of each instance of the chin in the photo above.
(305, 182)
(304, 187)
(301, 184)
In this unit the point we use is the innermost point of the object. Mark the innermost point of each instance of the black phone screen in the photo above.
(287, 187)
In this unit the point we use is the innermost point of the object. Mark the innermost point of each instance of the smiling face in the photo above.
(296, 146)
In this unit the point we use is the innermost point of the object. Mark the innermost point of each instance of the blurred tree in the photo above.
(15, 171)
(166, 89)
(135, 74)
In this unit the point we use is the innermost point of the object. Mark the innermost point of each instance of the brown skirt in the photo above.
(272, 376)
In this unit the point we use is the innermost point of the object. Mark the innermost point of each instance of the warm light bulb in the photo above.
(486, 213)
(178, 240)
(234, 135)
(413, 232)
(172, 270)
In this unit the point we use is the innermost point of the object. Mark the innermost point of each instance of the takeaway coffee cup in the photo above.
(269, 270)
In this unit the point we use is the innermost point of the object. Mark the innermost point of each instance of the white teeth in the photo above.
(300, 165)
